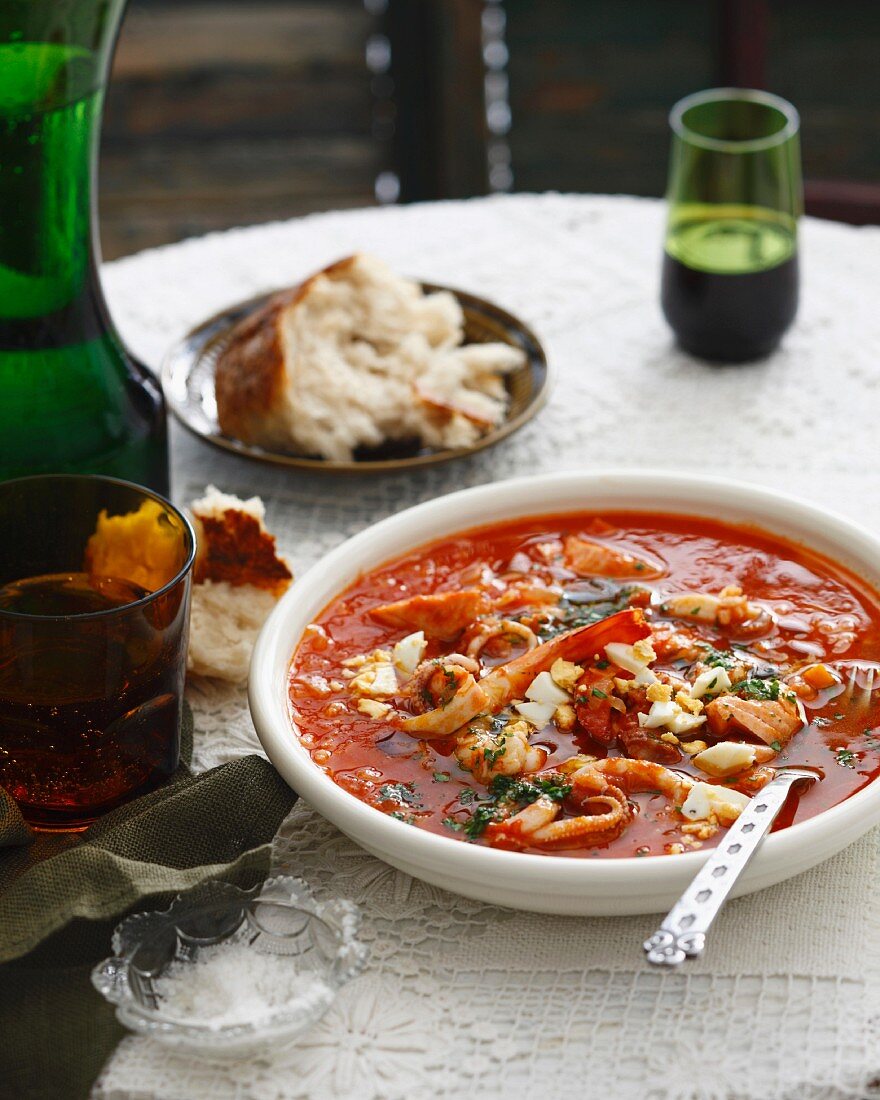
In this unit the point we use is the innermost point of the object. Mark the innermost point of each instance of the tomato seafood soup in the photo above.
(593, 685)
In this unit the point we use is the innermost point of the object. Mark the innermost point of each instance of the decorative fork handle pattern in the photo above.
(682, 933)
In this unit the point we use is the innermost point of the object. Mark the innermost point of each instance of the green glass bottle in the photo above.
(71, 398)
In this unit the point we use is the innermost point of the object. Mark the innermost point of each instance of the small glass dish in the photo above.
(209, 947)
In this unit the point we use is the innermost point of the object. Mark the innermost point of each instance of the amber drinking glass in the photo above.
(95, 580)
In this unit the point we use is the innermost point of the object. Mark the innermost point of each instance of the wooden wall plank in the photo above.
(224, 113)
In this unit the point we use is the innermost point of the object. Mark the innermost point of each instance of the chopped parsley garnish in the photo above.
(507, 795)
(491, 755)
(719, 658)
(451, 823)
(526, 791)
(467, 796)
(404, 794)
(845, 758)
(441, 777)
(407, 819)
(599, 694)
(584, 612)
(603, 664)
(776, 746)
(758, 689)
(481, 817)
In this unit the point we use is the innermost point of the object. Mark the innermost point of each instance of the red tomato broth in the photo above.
(699, 553)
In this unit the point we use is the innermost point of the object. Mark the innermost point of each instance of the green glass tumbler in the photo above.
(71, 398)
(730, 266)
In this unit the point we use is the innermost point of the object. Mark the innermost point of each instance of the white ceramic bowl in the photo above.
(548, 884)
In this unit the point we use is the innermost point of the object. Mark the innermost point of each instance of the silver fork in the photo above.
(682, 933)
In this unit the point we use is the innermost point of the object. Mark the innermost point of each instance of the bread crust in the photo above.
(250, 373)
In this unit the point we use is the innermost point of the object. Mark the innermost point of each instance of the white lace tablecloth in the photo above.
(462, 997)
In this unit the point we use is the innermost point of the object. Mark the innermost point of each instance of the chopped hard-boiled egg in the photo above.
(566, 674)
(669, 714)
(661, 714)
(539, 714)
(375, 679)
(659, 693)
(634, 659)
(706, 800)
(543, 690)
(543, 696)
(373, 708)
(688, 703)
(409, 651)
(565, 717)
(726, 758)
(684, 722)
(711, 682)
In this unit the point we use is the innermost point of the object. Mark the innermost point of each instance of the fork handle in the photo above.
(682, 933)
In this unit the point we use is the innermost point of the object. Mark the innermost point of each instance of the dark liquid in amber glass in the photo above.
(96, 719)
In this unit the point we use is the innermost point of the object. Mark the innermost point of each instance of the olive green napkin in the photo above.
(60, 898)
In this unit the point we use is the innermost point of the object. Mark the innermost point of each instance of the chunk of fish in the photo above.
(598, 559)
(773, 721)
(442, 615)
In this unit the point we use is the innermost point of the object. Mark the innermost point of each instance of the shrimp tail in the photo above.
(469, 701)
(510, 681)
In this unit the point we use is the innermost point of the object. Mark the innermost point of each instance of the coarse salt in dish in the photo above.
(229, 984)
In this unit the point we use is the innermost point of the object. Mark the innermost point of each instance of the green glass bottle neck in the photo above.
(54, 59)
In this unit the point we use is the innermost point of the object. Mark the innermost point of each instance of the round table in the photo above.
(459, 995)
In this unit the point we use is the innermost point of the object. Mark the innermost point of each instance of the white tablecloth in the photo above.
(462, 996)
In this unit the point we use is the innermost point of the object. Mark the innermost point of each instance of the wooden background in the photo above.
(229, 112)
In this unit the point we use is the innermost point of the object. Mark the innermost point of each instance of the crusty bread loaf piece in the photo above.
(238, 577)
(225, 620)
(357, 356)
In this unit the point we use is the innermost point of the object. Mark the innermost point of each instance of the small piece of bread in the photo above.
(238, 578)
(355, 357)
(234, 545)
(224, 623)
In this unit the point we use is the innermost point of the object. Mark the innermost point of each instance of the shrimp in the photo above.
(456, 697)
(729, 608)
(645, 775)
(435, 682)
(773, 721)
(607, 812)
(487, 753)
(506, 633)
(510, 681)
(442, 615)
(598, 785)
(597, 559)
